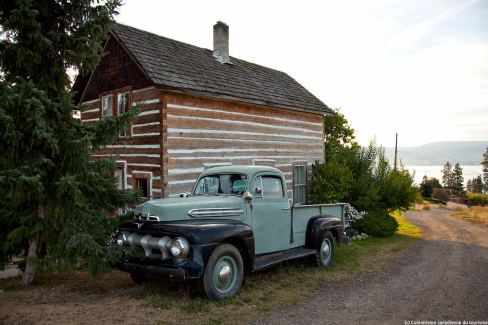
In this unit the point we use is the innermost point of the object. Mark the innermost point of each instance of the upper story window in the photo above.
(107, 105)
(123, 107)
(116, 103)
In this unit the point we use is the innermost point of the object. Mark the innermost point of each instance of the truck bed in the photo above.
(301, 214)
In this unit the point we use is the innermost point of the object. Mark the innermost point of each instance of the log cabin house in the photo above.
(198, 108)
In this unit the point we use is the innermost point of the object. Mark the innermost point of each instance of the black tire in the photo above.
(325, 253)
(224, 272)
(138, 278)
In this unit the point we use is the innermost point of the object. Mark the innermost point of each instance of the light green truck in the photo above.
(237, 219)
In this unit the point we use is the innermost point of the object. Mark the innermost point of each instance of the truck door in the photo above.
(271, 214)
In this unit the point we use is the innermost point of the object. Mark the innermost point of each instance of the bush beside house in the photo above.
(362, 177)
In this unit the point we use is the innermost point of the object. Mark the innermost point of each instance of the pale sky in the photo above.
(419, 68)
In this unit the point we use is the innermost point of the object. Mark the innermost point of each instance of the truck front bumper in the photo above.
(154, 267)
(159, 272)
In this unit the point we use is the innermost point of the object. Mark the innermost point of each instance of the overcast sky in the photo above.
(419, 68)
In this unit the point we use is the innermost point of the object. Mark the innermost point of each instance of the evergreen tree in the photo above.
(484, 163)
(447, 175)
(458, 180)
(53, 200)
(477, 184)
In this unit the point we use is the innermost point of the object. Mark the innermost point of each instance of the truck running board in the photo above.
(270, 260)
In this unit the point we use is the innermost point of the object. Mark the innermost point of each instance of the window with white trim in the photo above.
(107, 106)
(142, 181)
(121, 174)
(122, 108)
(142, 185)
(116, 103)
(299, 183)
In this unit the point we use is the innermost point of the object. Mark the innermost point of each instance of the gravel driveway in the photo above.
(443, 278)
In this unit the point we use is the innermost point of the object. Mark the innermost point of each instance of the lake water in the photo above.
(469, 172)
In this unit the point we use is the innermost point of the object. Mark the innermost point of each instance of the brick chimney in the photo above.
(221, 42)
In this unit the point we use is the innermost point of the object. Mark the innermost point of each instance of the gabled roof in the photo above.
(176, 65)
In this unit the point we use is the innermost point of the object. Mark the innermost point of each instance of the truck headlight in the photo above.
(121, 239)
(179, 247)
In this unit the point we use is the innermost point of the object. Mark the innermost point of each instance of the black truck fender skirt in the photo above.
(318, 225)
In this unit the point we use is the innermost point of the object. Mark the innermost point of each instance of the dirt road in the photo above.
(445, 277)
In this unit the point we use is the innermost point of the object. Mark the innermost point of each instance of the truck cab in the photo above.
(237, 219)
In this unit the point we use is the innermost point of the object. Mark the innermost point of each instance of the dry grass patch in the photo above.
(75, 297)
(476, 214)
(423, 206)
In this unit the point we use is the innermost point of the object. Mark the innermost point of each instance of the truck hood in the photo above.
(194, 207)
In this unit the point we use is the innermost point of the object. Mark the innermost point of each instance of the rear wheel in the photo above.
(223, 273)
(325, 253)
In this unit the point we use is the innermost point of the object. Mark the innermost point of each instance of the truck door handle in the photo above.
(286, 209)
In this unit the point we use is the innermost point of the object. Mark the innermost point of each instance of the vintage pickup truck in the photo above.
(237, 219)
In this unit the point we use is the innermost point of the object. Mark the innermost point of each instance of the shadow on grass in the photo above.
(288, 283)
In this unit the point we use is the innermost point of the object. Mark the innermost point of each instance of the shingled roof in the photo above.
(176, 65)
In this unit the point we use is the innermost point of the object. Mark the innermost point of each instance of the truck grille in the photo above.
(149, 243)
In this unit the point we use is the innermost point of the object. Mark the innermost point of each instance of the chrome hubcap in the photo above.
(325, 250)
(225, 274)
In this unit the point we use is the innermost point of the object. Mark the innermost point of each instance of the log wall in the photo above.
(175, 135)
(202, 130)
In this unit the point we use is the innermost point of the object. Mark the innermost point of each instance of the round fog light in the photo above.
(121, 239)
(179, 247)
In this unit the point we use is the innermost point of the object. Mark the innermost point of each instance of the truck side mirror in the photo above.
(247, 196)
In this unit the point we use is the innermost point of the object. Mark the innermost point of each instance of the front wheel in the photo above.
(326, 250)
(224, 272)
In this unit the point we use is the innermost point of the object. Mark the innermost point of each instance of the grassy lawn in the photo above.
(476, 214)
(113, 298)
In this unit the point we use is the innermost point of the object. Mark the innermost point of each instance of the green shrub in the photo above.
(377, 223)
(331, 182)
(477, 199)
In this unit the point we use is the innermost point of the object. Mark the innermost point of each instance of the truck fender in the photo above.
(319, 225)
(238, 235)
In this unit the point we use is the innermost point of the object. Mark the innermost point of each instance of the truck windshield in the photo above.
(221, 184)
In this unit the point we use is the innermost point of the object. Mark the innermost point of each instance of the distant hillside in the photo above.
(437, 153)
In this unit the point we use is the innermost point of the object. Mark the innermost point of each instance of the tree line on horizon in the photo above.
(453, 181)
